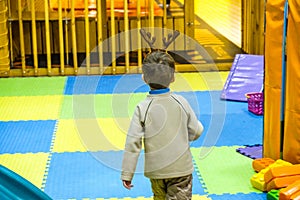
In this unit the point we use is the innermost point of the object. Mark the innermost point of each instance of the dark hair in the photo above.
(158, 69)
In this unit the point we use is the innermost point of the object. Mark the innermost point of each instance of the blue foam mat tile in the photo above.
(81, 85)
(230, 130)
(26, 136)
(239, 196)
(209, 102)
(94, 175)
(197, 185)
(105, 84)
(132, 83)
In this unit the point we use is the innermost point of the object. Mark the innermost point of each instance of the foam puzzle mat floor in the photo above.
(66, 135)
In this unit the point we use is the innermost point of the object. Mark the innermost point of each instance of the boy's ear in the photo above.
(173, 79)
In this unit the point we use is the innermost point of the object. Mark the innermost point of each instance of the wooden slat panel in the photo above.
(54, 37)
(93, 35)
(27, 37)
(87, 36)
(34, 39)
(74, 40)
(80, 35)
(121, 37)
(39, 37)
(170, 24)
(112, 35)
(158, 22)
(179, 44)
(47, 35)
(100, 14)
(21, 34)
(253, 26)
(61, 39)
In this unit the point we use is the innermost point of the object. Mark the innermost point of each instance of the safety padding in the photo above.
(272, 83)
(291, 144)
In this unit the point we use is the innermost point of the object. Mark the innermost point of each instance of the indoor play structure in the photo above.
(58, 155)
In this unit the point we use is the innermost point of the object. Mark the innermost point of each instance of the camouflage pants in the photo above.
(173, 188)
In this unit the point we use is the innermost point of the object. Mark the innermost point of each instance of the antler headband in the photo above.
(151, 40)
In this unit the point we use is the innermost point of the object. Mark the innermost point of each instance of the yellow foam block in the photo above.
(30, 107)
(30, 166)
(257, 180)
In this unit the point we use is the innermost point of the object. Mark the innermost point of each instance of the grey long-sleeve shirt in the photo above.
(165, 123)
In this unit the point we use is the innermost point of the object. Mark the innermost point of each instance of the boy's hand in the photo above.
(127, 184)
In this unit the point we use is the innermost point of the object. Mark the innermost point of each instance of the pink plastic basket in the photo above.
(256, 102)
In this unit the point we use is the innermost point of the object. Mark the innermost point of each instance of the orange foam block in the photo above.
(295, 196)
(286, 193)
(261, 163)
(281, 182)
(281, 172)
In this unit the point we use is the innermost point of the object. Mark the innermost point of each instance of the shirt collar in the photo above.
(160, 91)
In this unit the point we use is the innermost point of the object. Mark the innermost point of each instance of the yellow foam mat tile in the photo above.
(199, 81)
(30, 107)
(67, 138)
(103, 134)
(195, 197)
(31, 166)
(115, 130)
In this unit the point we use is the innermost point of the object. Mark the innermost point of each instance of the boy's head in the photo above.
(158, 69)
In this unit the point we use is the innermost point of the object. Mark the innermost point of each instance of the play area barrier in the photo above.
(92, 37)
(55, 37)
(4, 53)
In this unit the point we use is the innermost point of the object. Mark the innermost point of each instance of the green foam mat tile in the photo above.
(223, 170)
(32, 86)
(66, 111)
(100, 106)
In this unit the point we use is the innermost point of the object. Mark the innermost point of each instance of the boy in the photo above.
(165, 123)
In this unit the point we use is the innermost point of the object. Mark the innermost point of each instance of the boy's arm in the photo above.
(133, 147)
(195, 127)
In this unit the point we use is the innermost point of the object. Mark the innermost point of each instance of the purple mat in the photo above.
(251, 151)
(246, 75)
